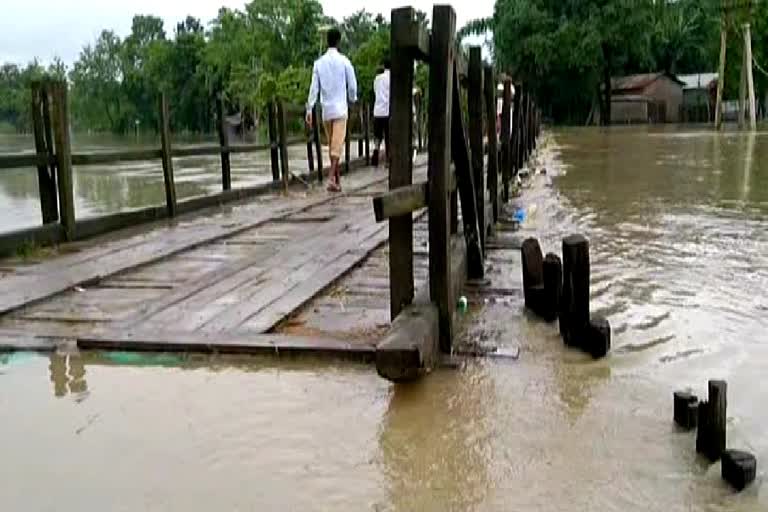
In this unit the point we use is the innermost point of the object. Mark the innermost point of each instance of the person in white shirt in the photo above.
(333, 79)
(381, 113)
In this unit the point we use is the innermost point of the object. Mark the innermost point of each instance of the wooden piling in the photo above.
(310, 149)
(711, 435)
(165, 141)
(318, 142)
(533, 274)
(46, 176)
(489, 87)
(274, 155)
(442, 53)
(475, 100)
(226, 171)
(517, 137)
(596, 339)
(60, 123)
(283, 139)
(505, 139)
(739, 468)
(574, 316)
(553, 287)
(419, 123)
(367, 132)
(682, 402)
(401, 165)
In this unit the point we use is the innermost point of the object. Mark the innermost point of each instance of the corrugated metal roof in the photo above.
(698, 80)
(632, 82)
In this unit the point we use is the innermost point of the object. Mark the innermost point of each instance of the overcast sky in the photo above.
(49, 28)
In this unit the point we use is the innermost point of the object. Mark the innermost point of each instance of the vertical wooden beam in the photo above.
(226, 172)
(46, 177)
(462, 160)
(283, 137)
(506, 162)
(517, 148)
(318, 143)
(274, 156)
(442, 48)
(360, 109)
(308, 133)
(367, 132)
(750, 78)
(489, 86)
(475, 100)
(419, 122)
(401, 164)
(347, 151)
(721, 76)
(165, 141)
(60, 122)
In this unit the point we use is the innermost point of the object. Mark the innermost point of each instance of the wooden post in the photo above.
(310, 149)
(750, 77)
(46, 176)
(419, 123)
(721, 76)
(743, 92)
(165, 141)
(505, 138)
(475, 100)
(360, 110)
(347, 151)
(283, 137)
(462, 159)
(533, 274)
(318, 143)
(226, 172)
(682, 409)
(489, 85)
(401, 164)
(274, 155)
(60, 122)
(367, 132)
(574, 317)
(553, 287)
(517, 137)
(718, 416)
(442, 48)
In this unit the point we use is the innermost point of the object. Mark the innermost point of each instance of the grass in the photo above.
(7, 128)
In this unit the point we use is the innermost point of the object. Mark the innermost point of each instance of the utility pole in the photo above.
(728, 8)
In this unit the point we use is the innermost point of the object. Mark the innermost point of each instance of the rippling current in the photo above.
(676, 220)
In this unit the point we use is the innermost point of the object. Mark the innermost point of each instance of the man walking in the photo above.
(381, 113)
(333, 78)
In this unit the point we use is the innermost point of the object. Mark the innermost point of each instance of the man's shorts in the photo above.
(381, 129)
(336, 131)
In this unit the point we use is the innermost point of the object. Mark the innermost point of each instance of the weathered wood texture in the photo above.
(283, 141)
(475, 107)
(685, 409)
(46, 174)
(711, 435)
(489, 90)
(274, 154)
(60, 122)
(739, 468)
(442, 48)
(165, 141)
(462, 159)
(401, 167)
(505, 139)
(574, 316)
(553, 287)
(318, 143)
(226, 170)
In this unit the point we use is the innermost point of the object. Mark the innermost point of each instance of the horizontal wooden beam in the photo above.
(404, 200)
(16, 161)
(416, 41)
(116, 156)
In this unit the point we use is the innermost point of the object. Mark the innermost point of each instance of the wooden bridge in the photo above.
(267, 275)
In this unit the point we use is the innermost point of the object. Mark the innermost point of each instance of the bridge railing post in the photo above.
(60, 122)
(46, 174)
(367, 132)
(282, 134)
(505, 137)
(226, 172)
(401, 164)
(475, 99)
(442, 55)
(489, 88)
(310, 136)
(274, 155)
(166, 148)
(318, 143)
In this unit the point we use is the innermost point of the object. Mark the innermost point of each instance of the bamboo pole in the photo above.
(750, 77)
(721, 77)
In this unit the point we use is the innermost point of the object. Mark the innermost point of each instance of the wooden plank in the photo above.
(283, 138)
(165, 141)
(401, 166)
(462, 161)
(273, 144)
(475, 100)
(506, 160)
(489, 87)
(64, 157)
(441, 85)
(226, 171)
(400, 201)
(46, 176)
(225, 343)
(23, 160)
(109, 157)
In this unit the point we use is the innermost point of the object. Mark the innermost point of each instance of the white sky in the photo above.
(49, 28)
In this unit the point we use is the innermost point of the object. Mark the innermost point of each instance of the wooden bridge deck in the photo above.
(229, 280)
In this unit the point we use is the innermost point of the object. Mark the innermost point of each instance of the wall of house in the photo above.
(668, 91)
(628, 112)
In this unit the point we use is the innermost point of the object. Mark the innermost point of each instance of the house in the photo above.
(699, 94)
(649, 97)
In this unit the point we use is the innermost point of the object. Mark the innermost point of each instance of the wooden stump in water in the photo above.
(553, 287)
(710, 438)
(702, 434)
(574, 314)
(533, 274)
(682, 407)
(596, 339)
(739, 468)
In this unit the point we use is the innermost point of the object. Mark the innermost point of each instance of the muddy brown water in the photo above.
(676, 219)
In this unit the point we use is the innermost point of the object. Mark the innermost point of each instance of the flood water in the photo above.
(119, 187)
(676, 220)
